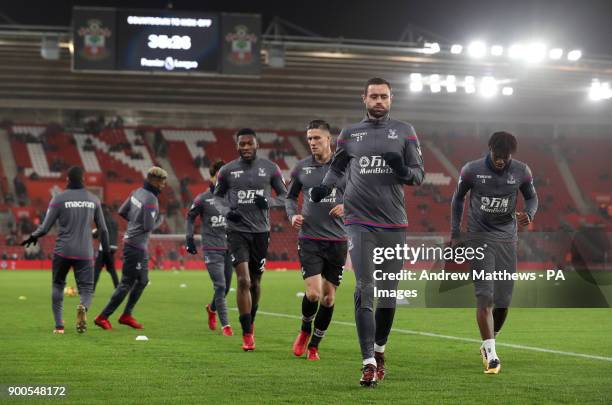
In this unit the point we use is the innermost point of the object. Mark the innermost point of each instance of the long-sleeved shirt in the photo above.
(141, 210)
(318, 223)
(75, 210)
(239, 181)
(213, 223)
(374, 194)
(493, 196)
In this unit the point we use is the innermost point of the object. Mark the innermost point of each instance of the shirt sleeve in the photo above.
(278, 185)
(151, 218)
(102, 228)
(221, 189)
(51, 216)
(124, 210)
(529, 193)
(339, 162)
(413, 159)
(293, 193)
(463, 186)
(196, 210)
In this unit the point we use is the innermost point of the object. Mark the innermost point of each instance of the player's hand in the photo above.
(234, 216)
(32, 240)
(94, 233)
(396, 162)
(337, 211)
(523, 218)
(319, 192)
(261, 202)
(297, 221)
(191, 246)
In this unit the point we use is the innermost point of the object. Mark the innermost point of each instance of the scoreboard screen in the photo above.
(168, 40)
(129, 40)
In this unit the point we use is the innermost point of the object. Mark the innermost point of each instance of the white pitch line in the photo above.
(461, 339)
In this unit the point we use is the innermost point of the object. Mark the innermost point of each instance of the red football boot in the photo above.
(313, 353)
(103, 322)
(248, 342)
(129, 320)
(300, 343)
(227, 331)
(212, 318)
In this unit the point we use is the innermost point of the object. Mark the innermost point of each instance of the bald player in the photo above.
(141, 210)
(75, 209)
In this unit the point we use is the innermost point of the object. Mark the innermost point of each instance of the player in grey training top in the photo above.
(75, 209)
(246, 183)
(214, 244)
(493, 183)
(322, 243)
(141, 210)
(382, 155)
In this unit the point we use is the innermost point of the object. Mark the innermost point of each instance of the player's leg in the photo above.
(385, 310)
(258, 250)
(110, 267)
(240, 259)
(215, 263)
(311, 261)
(84, 277)
(98, 268)
(335, 258)
(60, 267)
(484, 291)
(505, 260)
(142, 280)
(129, 275)
(361, 246)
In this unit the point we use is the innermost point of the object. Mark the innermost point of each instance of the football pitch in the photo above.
(548, 355)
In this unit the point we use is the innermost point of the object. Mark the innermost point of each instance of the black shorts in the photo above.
(249, 247)
(322, 257)
(500, 257)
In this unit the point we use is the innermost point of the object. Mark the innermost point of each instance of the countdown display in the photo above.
(107, 39)
(168, 40)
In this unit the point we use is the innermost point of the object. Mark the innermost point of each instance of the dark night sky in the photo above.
(583, 24)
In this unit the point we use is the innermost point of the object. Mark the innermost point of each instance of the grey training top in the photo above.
(141, 210)
(374, 194)
(213, 223)
(318, 224)
(75, 209)
(493, 196)
(240, 181)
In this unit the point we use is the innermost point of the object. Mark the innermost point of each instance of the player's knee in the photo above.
(485, 301)
(244, 283)
(313, 295)
(328, 300)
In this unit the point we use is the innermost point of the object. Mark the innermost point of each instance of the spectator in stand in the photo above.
(198, 161)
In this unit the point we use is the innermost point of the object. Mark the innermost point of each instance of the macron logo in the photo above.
(79, 204)
(134, 201)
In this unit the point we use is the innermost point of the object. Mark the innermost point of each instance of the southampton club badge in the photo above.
(94, 40)
(241, 45)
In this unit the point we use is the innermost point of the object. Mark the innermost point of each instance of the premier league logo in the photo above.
(242, 45)
(94, 40)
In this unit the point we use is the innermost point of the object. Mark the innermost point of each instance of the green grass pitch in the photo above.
(184, 362)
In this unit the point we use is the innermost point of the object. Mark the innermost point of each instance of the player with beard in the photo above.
(382, 155)
(493, 183)
(246, 183)
(322, 245)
